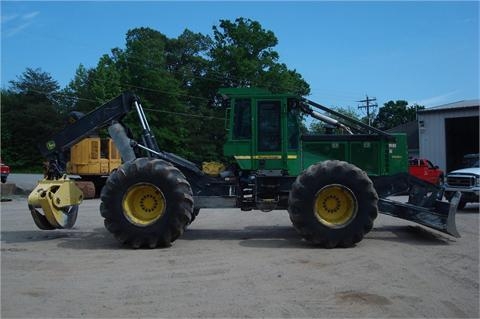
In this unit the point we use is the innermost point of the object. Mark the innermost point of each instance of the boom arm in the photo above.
(348, 122)
(108, 115)
(308, 110)
(105, 115)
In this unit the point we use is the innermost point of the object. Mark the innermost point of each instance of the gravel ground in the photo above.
(236, 264)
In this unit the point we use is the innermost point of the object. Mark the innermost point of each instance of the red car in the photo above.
(5, 170)
(424, 169)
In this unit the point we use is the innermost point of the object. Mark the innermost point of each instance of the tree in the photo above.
(105, 80)
(187, 60)
(29, 115)
(78, 95)
(34, 82)
(395, 113)
(244, 57)
(242, 51)
(146, 73)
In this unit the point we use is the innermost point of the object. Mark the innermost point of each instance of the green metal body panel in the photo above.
(398, 158)
(377, 155)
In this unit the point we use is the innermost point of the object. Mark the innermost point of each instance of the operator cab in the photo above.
(259, 137)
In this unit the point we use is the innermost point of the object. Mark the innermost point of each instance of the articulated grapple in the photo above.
(333, 185)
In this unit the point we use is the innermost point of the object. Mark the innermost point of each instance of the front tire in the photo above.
(333, 204)
(146, 203)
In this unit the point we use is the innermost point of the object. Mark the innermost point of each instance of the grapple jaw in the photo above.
(424, 206)
(58, 199)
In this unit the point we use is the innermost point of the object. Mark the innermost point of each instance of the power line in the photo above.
(187, 114)
(367, 105)
(73, 97)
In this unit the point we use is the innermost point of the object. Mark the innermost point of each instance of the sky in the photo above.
(422, 52)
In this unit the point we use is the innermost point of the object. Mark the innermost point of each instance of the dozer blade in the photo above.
(441, 217)
(59, 200)
(424, 205)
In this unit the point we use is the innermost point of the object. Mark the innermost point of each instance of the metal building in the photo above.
(447, 132)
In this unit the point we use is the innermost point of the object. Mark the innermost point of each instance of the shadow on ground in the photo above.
(412, 235)
(252, 236)
(98, 238)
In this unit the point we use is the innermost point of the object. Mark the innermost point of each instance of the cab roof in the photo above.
(252, 92)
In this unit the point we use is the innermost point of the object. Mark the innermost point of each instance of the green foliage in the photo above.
(395, 113)
(78, 94)
(29, 115)
(243, 51)
(34, 82)
(244, 57)
(106, 80)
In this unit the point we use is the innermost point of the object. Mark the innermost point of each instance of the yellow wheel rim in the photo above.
(335, 206)
(143, 204)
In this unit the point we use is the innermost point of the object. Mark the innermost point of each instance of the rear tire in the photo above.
(146, 203)
(333, 204)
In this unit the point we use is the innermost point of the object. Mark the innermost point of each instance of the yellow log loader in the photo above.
(93, 159)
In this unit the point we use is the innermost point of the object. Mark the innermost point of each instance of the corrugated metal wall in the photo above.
(432, 133)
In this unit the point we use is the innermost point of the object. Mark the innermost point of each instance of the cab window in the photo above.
(242, 120)
(269, 134)
(293, 129)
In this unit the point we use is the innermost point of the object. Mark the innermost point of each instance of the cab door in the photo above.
(269, 135)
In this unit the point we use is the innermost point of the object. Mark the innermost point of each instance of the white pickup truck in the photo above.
(465, 180)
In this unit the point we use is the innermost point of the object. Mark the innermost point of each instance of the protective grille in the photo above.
(461, 181)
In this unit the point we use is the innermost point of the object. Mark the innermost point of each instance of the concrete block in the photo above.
(8, 189)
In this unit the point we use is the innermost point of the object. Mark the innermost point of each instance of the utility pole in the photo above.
(367, 105)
